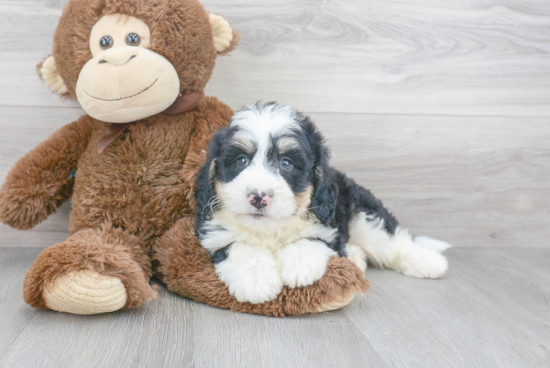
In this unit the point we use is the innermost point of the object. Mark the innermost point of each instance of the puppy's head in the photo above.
(268, 167)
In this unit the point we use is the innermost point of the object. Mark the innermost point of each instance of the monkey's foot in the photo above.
(337, 303)
(85, 292)
(94, 271)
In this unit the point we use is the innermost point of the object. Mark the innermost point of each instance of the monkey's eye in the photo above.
(242, 161)
(133, 39)
(106, 42)
(286, 164)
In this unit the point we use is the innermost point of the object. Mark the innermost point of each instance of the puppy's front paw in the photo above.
(259, 288)
(304, 262)
(252, 275)
(422, 262)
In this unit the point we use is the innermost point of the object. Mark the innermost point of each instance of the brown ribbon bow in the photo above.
(183, 104)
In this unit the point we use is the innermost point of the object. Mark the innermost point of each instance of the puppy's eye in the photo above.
(106, 42)
(286, 164)
(133, 39)
(242, 161)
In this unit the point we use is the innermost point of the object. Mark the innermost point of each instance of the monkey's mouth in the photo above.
(123, 98)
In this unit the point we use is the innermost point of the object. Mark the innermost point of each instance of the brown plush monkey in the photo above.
(138, 68)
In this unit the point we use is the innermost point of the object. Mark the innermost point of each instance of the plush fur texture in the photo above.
(125, 81)
(106, 250)
(180, 32)
(185, 267)
(133, 203)
(40, 182)
(271, 211)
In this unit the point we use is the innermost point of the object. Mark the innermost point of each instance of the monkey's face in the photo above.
(126, 60)
(125, 81)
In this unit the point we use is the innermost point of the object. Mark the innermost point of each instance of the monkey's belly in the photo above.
(144, 209)
(138, 185)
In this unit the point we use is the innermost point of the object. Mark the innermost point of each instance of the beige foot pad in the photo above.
(337, 304)
(85, 292)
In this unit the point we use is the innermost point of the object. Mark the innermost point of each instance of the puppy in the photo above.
(271, 212)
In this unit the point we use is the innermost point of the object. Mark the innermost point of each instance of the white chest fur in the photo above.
(263, 259)
(224, 229)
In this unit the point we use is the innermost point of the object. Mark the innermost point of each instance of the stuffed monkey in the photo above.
(138, 68)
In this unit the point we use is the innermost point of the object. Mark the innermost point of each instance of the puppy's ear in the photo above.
(325, 196)
(325, 192)
(205, 184)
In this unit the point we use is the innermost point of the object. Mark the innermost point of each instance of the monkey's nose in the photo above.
(118, 55)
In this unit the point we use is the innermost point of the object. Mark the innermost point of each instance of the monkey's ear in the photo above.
(225, 39)
(48, 72)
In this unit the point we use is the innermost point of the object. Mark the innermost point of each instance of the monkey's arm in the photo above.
(41, 180)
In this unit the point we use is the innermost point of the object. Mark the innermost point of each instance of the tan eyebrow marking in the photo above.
(285, 144)
(244, 143)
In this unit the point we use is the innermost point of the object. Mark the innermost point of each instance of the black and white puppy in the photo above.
(271, 212)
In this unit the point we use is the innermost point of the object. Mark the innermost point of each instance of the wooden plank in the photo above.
(472, 181)
(490, 310)
(27, 29)
(172, 332)
(16, 315)
(52, 231)
(144, 336)
(471, 57)
(238, 340)
(397, 56)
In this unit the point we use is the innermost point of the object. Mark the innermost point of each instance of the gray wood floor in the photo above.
(491, 310)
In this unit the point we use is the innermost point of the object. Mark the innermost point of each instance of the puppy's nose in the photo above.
(259, 200)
